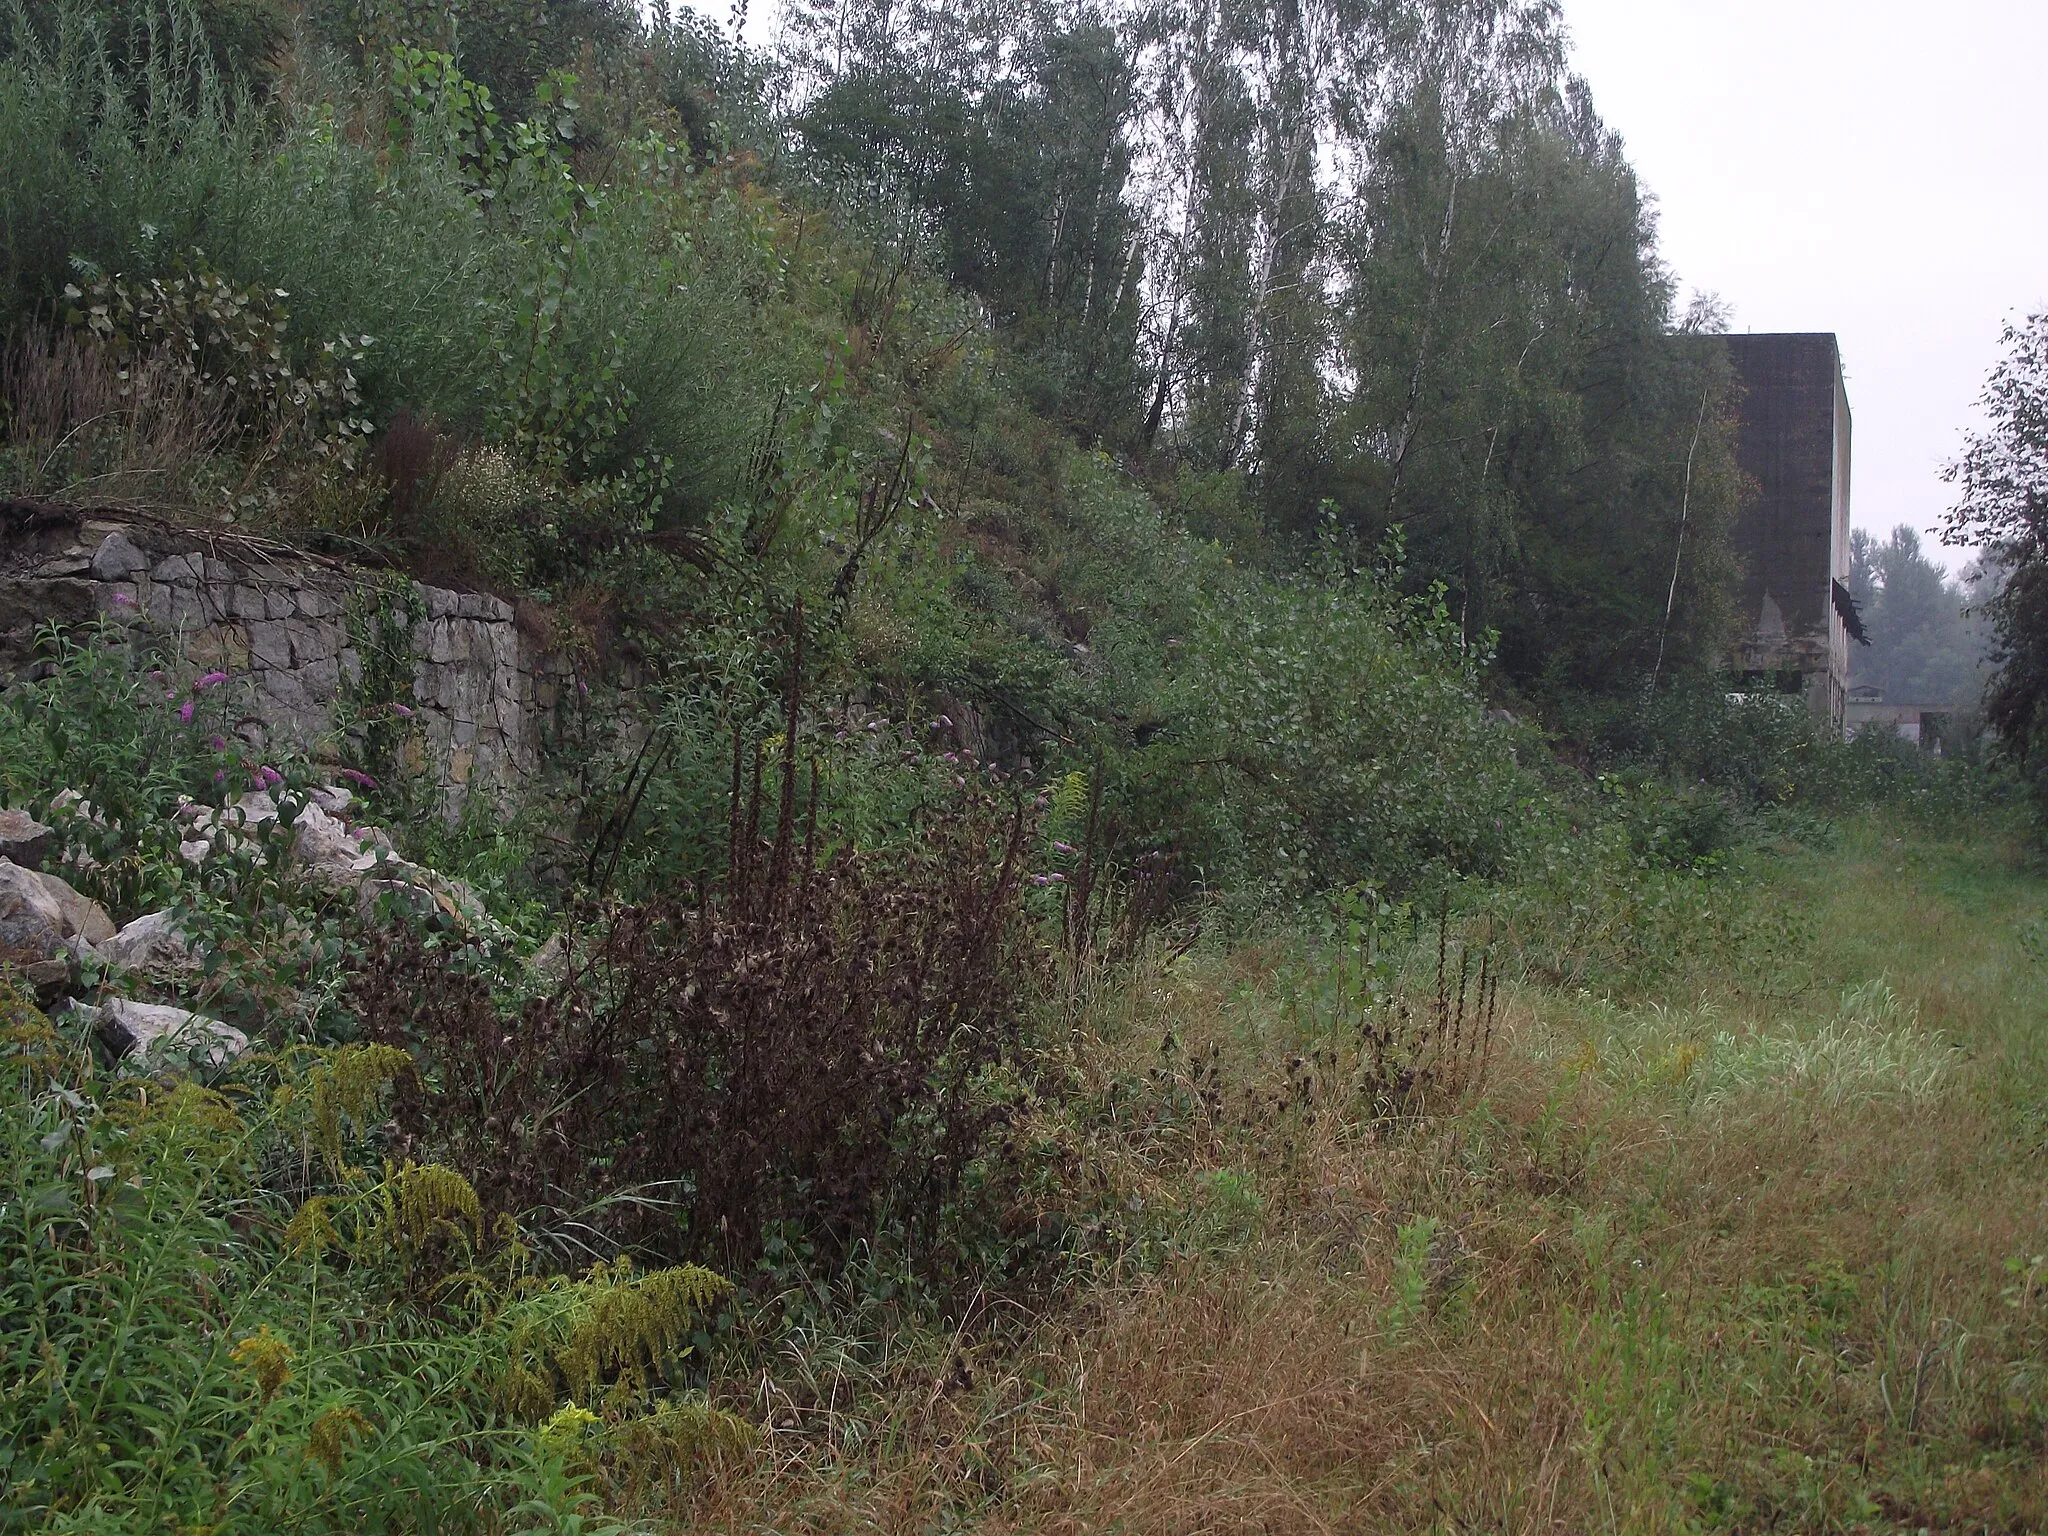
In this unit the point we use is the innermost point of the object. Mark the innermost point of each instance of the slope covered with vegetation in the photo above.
(1153, 917)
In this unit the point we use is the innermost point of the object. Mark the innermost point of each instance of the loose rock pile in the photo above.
(67, 946)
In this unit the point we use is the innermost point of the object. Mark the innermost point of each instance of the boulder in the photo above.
(83, 917)
(551, 961)
(323, 846)
(333, 799)
(151, 943)
(404, 897)
(160, 1037)
(71, 801)
(23, 839)
(203, 824)
(32, 925)
(255, 809)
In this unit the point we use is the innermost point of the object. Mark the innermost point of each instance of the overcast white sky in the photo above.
(1869, 167)
(1875, 168)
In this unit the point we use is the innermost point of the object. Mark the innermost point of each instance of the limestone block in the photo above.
(280, 602)
(177, 608)
(245, 600)
(215, 573)
(178, 570)
(440, 603)
(219, 647)
(39, 912)
(269, 644)
(285, 689)
(119, 601)
(447, 640)
(444, 687)
(160, 1038)
(312, 641)
(301, 727)
(321, 678)
(83, 917)
(117, 559)
(315, 603)
(152, 943)
(504, 641)
(32, 925)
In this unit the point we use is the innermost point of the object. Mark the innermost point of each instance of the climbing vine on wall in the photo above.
(375, 713)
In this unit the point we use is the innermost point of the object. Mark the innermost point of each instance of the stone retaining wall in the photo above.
(317, 644)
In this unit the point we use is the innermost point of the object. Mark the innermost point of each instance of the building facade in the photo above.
(1792, 537)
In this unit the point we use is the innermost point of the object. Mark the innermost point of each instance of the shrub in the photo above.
(124, 728)
(802, 1044)
(233, 343)
(1321, 729)
(1765, 750)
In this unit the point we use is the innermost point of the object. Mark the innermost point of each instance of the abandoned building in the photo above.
(1792, 540)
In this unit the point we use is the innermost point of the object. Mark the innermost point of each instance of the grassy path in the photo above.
(1769, 1255)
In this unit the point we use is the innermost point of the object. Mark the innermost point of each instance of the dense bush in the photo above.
(1339, 730)
(1286, 729)
(1762, 750)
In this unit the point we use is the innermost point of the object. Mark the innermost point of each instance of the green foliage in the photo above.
(231, 342)
(1413, 1242)
(234, 40)
(1927, 641)
(187, 1355)
(605, 334)
(119, 728)
(1321, 729)
(1762, 750)
(371, 712)
(1558, 459)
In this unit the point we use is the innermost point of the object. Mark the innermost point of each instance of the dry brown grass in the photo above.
(83, 425)
(1784, 1306)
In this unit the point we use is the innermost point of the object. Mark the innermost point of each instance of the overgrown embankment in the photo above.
(1674, 1178)
(1227, 966)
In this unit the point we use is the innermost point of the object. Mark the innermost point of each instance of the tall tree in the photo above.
(1927, 646)
(1010, 129)
(2002, 505)
(1379, 256)
(1519, 404)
